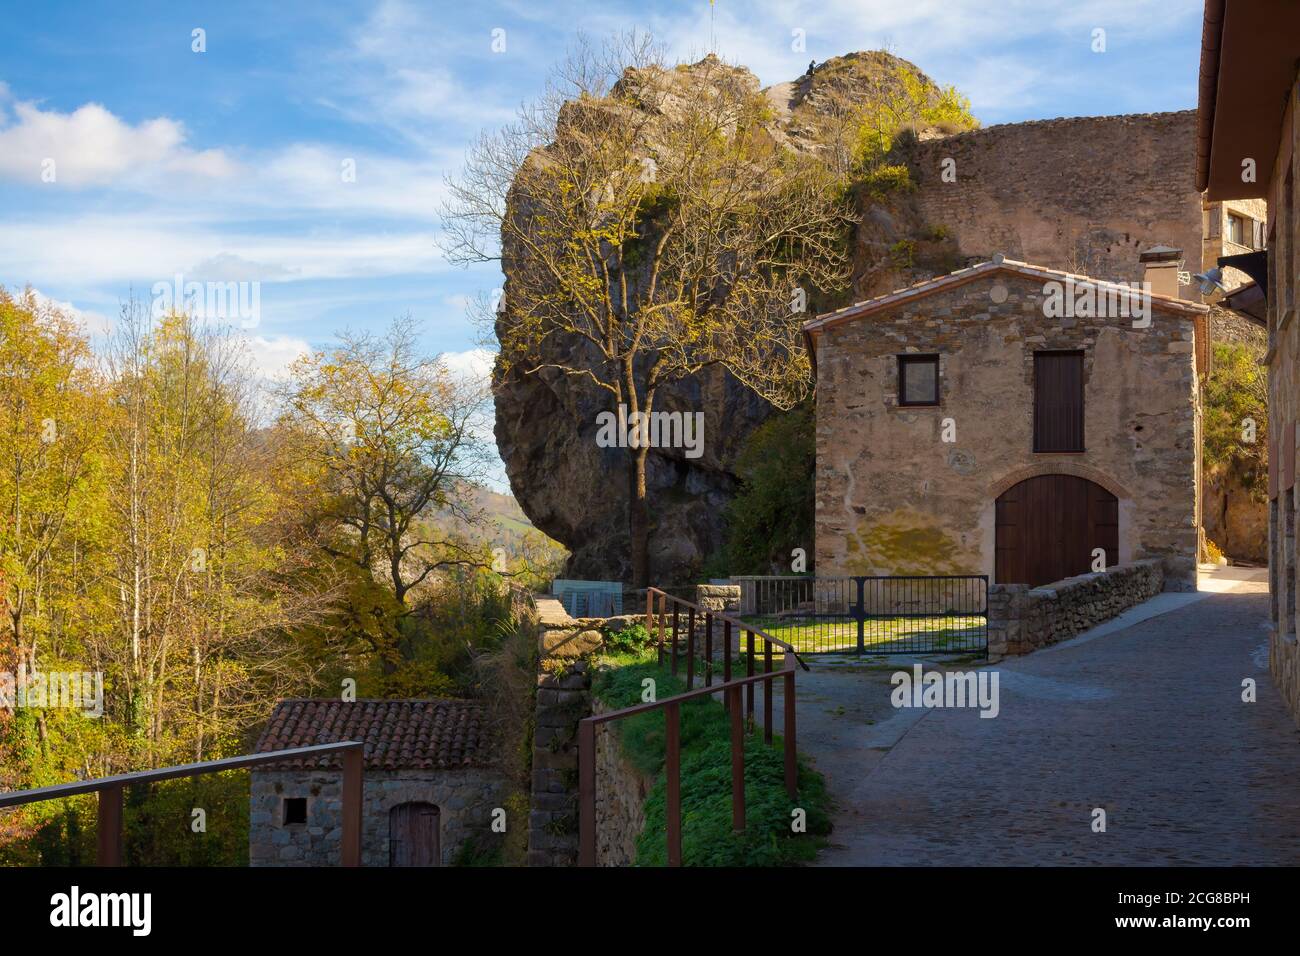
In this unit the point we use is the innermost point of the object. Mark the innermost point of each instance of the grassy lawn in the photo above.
(829, 634)
(707, 836)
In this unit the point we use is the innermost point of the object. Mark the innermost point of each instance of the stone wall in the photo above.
(1234, 328)
(621, 791)
(565, 648)
(1235, 519)
(563, 699)
(1283, 359)
(1023, 619)
(465, 799)
(1084, 194)
(894, 497)
(723, 598)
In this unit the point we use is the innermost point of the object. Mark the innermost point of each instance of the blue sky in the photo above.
(227, 164)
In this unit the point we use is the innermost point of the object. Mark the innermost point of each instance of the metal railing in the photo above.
(876, 614)
(110, 791)
(738, 699)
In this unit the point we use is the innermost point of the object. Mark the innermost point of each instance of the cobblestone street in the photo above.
(1145, 722)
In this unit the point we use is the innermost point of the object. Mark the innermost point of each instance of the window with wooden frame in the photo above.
(918, 380)
(1237, 229)
(1058, 401)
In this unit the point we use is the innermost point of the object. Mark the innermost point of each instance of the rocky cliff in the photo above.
(577, 492)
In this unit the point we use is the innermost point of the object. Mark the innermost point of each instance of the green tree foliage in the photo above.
(905, 100)
(155, 531)
(902, 100)
(1236, 395)
(772, 513)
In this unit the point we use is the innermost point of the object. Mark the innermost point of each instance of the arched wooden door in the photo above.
(1048, 526)
(413, 838)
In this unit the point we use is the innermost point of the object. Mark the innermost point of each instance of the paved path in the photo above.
(1146, 722)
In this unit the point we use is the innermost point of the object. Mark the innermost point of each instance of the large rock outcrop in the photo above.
(546, 425)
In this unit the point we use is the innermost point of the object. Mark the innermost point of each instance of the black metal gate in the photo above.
(871, 615)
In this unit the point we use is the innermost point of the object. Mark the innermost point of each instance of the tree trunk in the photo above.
(638, 517)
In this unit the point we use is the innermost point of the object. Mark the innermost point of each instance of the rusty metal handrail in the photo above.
(110, 790)
(736, 691)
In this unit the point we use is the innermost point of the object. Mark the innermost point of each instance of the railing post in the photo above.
(708, 650)
(109, 836)
(737, 762)
(690, 647)
(649, 610)
(353, 799)
(673, 781)
(726, 660)
(676, 611)
(860, 613)
(767, 693)
(663, 606)
(586, 793)
(791, 766)
(749, 672)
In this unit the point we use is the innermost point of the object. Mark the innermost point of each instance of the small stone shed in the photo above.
(431, 782)
(1010, 420)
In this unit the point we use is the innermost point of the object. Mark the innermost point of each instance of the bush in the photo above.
(772, 513)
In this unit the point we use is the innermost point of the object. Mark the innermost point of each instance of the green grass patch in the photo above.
(707, 836)
(823, 635)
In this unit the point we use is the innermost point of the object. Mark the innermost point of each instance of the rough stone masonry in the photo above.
(895, 497)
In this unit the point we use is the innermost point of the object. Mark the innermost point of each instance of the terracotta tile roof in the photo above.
(398, 734)
(999, 264)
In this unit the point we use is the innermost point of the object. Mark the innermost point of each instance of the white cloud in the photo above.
(390, 77)
(147, 247)
(228, 267)
(475, 364)
(91, 146)
(271, 355)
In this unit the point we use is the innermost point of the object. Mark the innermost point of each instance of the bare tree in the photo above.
(648, 214)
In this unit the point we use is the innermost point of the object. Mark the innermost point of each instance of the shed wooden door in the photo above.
(413, 835)
(1048, 526)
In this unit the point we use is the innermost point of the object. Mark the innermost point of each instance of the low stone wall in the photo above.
(563, 699)
(565, 648)
(1023, 619)
(718, 597)
(621, 791)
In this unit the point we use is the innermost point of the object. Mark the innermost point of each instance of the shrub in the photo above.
(772, 512)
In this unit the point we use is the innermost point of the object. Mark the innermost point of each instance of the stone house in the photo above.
(1249, 149)
(1010, 420)
(431, 782)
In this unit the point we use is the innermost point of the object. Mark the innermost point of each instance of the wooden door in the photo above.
(1048, 526)
(1058, 402)
(413, 835)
